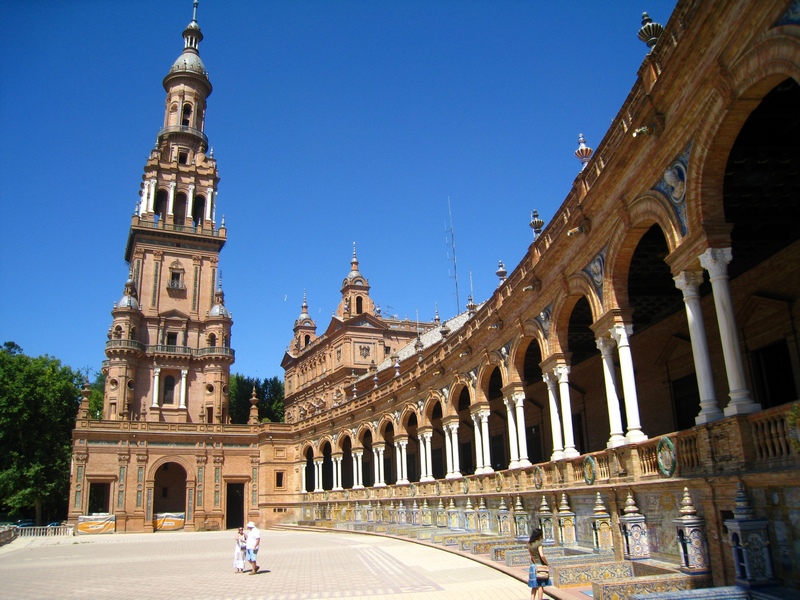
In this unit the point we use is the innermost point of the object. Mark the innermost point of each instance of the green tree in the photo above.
(270, 398)
(39, 399)
(97, 388)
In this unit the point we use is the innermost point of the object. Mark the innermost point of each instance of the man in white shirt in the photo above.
(251, 547)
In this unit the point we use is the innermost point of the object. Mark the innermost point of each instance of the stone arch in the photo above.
(182, 461)
(532, 333)
(433, 397)
(579, 287)
(740, 90)
(645, 211)
(344, 434)
(362, 430)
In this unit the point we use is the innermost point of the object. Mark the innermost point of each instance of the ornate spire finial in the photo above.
(194, 10)
(650, 31)
(536, 224)
(583, 153)
(501, 271)
(687, 506)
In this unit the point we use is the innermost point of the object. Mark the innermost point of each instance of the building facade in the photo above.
(643, 354)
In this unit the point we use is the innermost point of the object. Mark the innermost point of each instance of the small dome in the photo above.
(189, 61)
(128, 299)
(219, 310)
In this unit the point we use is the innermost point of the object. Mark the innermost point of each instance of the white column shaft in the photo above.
(513, 442)
(715, 261)
(456, 471)
(555, 420)
(487, 454)
(156, 390)
(522, 436)
(184, 373)
(621, 333)
(616, 434)
(479, 464)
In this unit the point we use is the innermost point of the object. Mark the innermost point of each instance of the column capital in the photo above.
(173, 185)
(715, 261)
(562, 373)
(606, 345)
(621, 332)
(688, 282)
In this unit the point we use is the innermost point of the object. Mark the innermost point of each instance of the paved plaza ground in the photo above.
(296, 565)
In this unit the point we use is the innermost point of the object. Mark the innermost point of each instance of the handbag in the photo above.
(542, 572)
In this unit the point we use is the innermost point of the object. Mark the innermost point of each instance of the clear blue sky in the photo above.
(332, 122)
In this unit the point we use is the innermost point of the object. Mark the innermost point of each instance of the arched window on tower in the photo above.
(212, 340)
(198, 210)
(186, 116)
(359, 305)
(169, 390)
(307, 340)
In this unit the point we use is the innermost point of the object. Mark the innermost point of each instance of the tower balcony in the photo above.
(125, 346)
(186, 130)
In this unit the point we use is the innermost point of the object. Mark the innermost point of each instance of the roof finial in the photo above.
(194, 10)
(583, 153)
(650, 31)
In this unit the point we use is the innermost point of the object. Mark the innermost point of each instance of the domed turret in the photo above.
(129, 297)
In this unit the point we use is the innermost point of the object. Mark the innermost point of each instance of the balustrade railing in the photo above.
(170, 349)
(771, 433)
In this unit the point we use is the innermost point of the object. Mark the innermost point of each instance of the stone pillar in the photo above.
(636, 545)
(209, 201)
(337, 473)
(522, 437)
(546, 523)
(184, 373)
(358, 470)
(476, 420)
(487, 456)
(318, 474)
(562, 372)
(156, 377)
(171, 202)
(380, 480)
(423, 463)
(692, 539)
(715, 261)
(689, 282)
(151, 196)
(566, 523)
(616, 435)
(601, 528)
(749, 538)
(513, 442)
(402, 462)
(428, 458)
(555, 421)
(456, 472)
(190, 202)
(448, 453)
(621, 333)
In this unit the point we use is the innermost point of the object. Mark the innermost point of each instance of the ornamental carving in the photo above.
(201, 460)
(123, 458)
(81, 458)
(364, 351)
(141, 458)
(218, 460)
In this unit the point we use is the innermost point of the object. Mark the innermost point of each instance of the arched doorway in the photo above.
(169, 497)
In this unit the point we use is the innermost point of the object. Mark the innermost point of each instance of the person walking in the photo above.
(251, 546)
(538, 575)
(239, 550)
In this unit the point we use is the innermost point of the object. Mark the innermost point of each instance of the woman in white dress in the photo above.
(238, 553)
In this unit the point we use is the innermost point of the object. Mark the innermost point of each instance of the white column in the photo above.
(190, 202)
(456, 472)
(151, 195)
(142, 200)
(402, 461)
(381, 478)
(616, 435)
(689, 283)
(715, 261)
(423, 463)
(156, 376)
(184, 373)
(209, 201)
(318, 474)
(562, 372)
(513, 443)
(428, 458)
(479, 466)
(448, 453)
(171, 202)
(620, 333)
(487, 455)
(358, 466)
(555, 420)
(337, 472)
(522, 437)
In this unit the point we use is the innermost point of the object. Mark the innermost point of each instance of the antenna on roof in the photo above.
(453, 245)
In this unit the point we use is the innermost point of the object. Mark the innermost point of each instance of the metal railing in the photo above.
(185, 129)
(170, 349)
